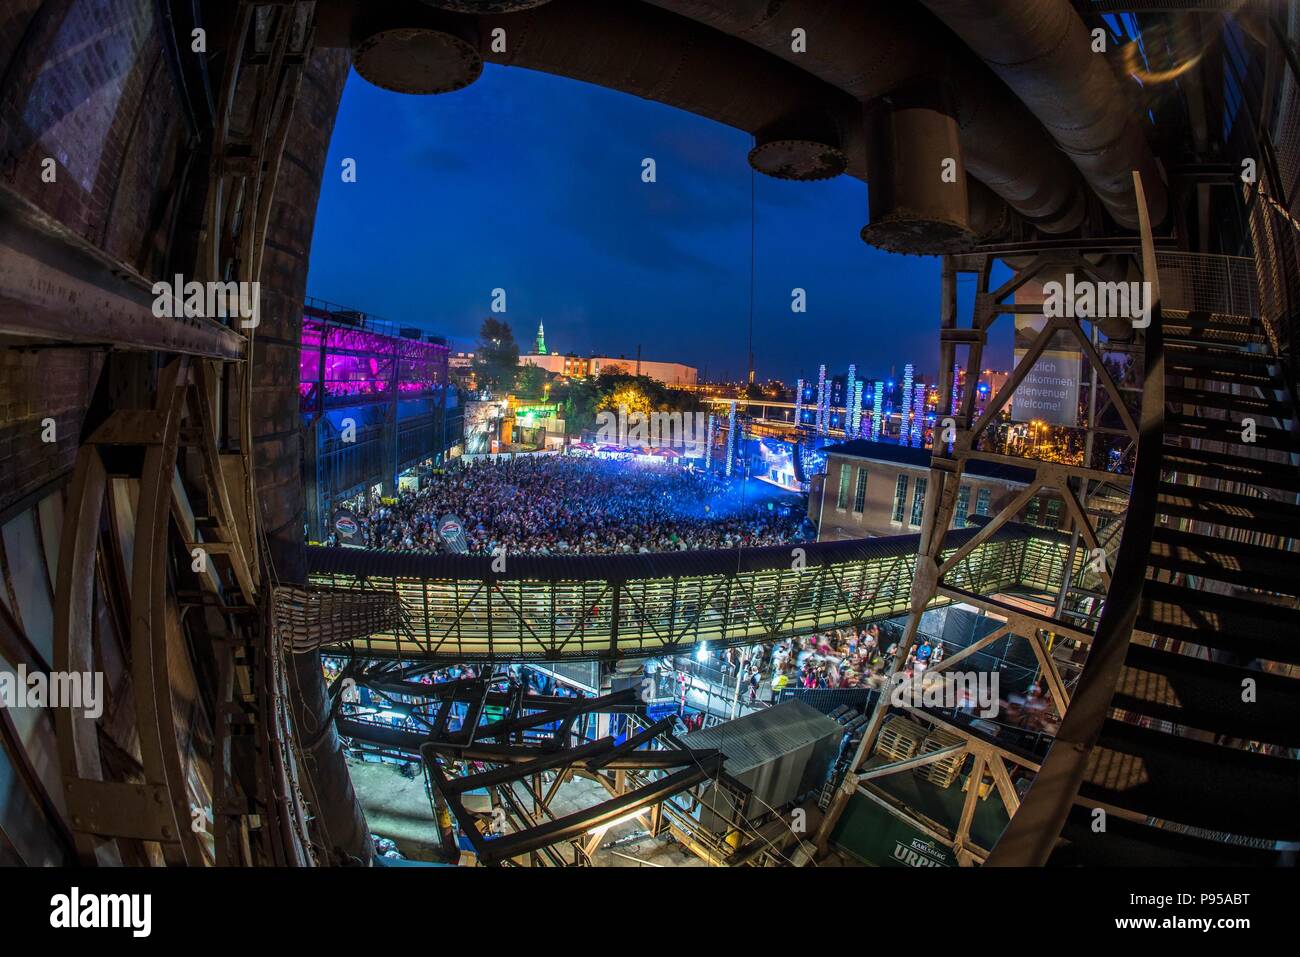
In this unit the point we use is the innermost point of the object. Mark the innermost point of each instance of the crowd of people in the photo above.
(860, 659)
(844, 658)
(569, 505)
(584, 505)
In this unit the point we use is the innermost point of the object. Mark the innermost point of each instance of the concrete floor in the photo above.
(398, 808)
(578, 793)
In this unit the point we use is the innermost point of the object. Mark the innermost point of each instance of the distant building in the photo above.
(669, 373)
(377, 411)
(988, 385)
(874, 489)
(461, 367)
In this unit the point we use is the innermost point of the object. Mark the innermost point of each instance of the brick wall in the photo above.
(34, 386)
(276, 420)
(85, 83)
(277, 424)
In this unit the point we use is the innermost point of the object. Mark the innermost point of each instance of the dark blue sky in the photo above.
(532, 183)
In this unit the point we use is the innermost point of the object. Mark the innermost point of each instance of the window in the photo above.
(860, 494)
(918, 501)
(842, 498)
(900, 498)
(963, 506)
(982, 502)
(1053, 513)
(1031, 513)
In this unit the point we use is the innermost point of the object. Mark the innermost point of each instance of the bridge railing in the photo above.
(459, 609)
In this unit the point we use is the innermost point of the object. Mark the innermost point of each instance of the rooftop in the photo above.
(920, 458)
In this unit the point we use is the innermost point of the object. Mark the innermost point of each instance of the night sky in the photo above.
(533, 183)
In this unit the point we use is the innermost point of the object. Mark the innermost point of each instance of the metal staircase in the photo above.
(1191, 757)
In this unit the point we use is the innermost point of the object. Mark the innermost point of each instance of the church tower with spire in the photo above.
(541, 340)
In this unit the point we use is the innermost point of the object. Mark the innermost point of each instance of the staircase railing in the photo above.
(1032, 834)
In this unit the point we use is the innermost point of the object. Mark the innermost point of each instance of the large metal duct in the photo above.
(913, 205)
(637, 49)
(619, 44)
(871, 49)
(804, 127)
(990, 217)
(1041, 49)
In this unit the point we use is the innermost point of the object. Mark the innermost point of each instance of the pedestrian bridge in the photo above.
(457, 608)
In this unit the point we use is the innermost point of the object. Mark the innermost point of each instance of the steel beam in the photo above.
(153, 617)
(1032, 834)
(74, 609)
(571, 825)
(56, 287)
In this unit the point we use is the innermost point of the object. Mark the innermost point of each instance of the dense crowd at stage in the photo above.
(569, 505)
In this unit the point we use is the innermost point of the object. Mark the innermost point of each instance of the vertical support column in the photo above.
(272, 425)
(940, 505)
(154, 616)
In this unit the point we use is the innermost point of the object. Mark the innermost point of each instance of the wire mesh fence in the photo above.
(1221, 285)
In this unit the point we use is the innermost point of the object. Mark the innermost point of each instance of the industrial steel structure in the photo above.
(375, 402)
(151, 476)
(457, 608)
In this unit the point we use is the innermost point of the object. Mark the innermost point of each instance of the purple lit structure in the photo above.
(344, 364)
(376, 405)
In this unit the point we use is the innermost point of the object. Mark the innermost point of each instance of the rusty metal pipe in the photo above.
(871, 49)
(662, 57)
(914, 207)
(1041, 49)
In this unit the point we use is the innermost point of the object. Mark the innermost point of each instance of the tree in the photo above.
(577, 399)
(641, 393)
(627, 397)
(531, 381)
(497, 356)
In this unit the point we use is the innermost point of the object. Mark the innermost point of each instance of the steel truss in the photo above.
(457, 609)
(647, 776)
(990, 758)
(189, 576)
(1077, 485)
(198, 579)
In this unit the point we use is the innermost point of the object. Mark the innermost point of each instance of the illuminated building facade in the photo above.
(675, 374)
(375, 402)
